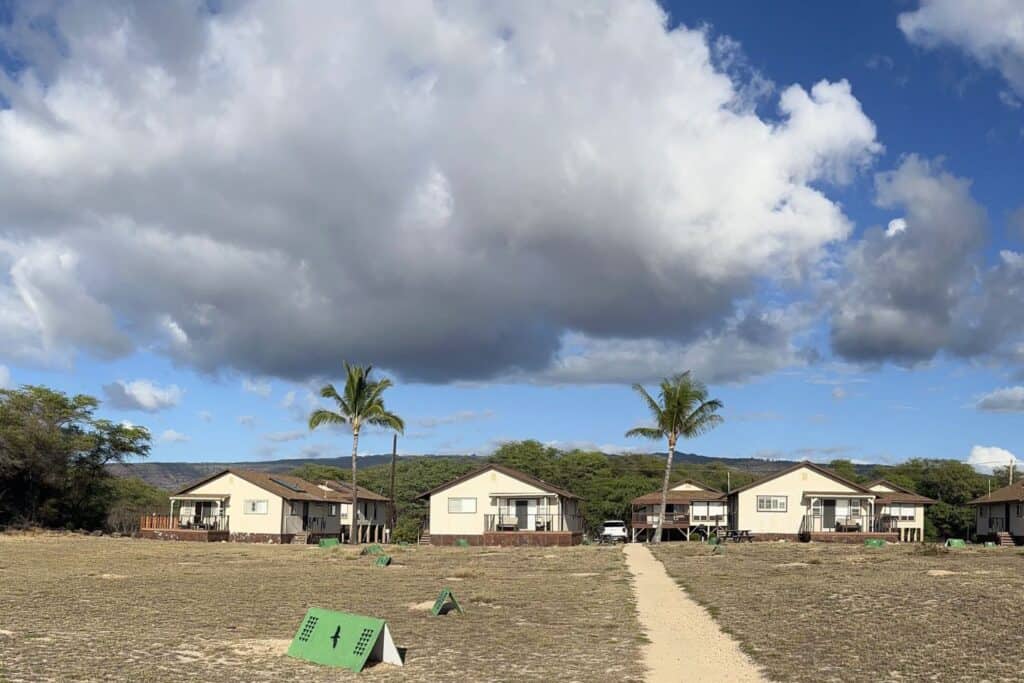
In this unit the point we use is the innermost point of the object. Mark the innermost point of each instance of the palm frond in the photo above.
(652, 405)
(646, 433)
(326, 417)
(386, 420)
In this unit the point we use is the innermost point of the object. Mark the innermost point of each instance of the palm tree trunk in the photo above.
(355, 492)
(664, 488)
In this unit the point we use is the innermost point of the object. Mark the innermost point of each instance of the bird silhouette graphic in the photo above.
(336, 637)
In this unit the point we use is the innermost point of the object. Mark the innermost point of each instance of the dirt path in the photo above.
(685, 642)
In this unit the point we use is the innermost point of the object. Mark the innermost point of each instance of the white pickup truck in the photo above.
(613, 531)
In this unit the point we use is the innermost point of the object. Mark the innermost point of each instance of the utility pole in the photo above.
(728, 481)
(394, 460)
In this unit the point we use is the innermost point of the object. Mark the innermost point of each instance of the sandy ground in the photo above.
(685, 642)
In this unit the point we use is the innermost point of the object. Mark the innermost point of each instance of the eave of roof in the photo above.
(310, 492)
(508, 471)
(654, 498)
(1012, 493)
(824, 471)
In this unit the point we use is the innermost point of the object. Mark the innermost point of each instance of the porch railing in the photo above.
(841, 524)
(671, 519)
(539, 521)
(193, 522)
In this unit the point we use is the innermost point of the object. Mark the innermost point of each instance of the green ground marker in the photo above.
(383, 561)
(328, 542)
(462, 543)
(343, 640)
(956, 543)
(874, 543)
(373, 549)
(443, 599)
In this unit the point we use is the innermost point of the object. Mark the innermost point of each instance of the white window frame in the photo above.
(772, 503)
(252, 507)
(332, 509)
(461, 501)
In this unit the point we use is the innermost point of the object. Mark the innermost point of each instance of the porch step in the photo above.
(1004, 539)
(425, 538)
(301, 538)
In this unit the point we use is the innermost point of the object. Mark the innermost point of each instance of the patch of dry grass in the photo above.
(81, 608)
(830, 612)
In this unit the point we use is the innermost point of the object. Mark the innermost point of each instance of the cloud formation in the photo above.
(989, 31)
(1005, 400)
(452, 191)
(260, 387)
(142, 394)
(901, 287)
(987, 458)
(172, 436)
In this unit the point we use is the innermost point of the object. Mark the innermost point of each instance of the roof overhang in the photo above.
(538, 494)
(838, 494)
(200, 496)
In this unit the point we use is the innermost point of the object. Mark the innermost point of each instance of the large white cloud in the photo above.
(987, 458)
(142, 394)
(451, 190)
(990, 31)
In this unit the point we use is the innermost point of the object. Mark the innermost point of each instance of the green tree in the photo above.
(683, 409)
(54, 455)
(845, 469)
(362, 402)
(130, 498)
(87, 494)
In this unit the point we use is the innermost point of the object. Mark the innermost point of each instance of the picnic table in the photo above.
(739, 535)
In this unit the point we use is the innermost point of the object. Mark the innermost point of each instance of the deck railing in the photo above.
(193, 522)
(538, 521)
(861, 523)
(672, 519)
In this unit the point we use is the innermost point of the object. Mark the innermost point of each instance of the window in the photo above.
(255, 507)
(1020, 510)
(343, 509)
(854, 507)
(461, 505)
(699, 512)
(332, 509)
(772, 503)
(902, 511)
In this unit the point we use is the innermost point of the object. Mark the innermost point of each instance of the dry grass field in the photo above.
(81, 608)
(821, 612)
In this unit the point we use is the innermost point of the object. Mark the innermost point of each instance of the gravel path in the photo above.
(685, 642)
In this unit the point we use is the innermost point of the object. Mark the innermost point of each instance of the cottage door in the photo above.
(522, 514)
(828, 514)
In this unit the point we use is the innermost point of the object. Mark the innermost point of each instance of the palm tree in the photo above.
(362, 403)
(685, 411)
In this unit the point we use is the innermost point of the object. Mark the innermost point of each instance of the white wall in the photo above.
(482, 487)
(792, 485)
(241, 490)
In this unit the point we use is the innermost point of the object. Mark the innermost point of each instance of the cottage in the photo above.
(999, 515)
(899, 509)
(811, 502)
(247, 505)
(374, 519)
(691, 507)
(497, 505)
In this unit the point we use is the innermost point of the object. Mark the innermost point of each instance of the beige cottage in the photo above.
(900, 509)
(691, 507)
(497, 505)
(999, 515)
(247, 505)
(374, 518)
(811, 502)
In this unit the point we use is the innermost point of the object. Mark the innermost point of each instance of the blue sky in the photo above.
(505, 227)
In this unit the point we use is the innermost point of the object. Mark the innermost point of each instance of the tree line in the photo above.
(54, 453)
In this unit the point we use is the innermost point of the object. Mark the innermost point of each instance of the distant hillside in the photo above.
(175, 475)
